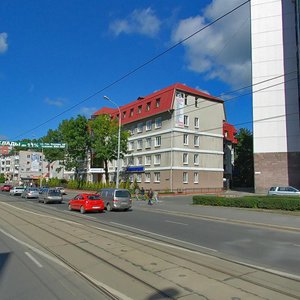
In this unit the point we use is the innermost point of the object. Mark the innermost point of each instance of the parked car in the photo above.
(283, 191)
(6, 188)
(30, 193)
(50, 196)
(87, 202)
(61, 189)
(17, 191)
(116, 199)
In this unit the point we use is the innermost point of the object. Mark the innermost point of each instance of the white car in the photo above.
(283, 191)
(17, 191)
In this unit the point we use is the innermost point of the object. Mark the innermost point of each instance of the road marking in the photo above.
(176, 223)
(166, 237)
(34, 260)
(296, 245)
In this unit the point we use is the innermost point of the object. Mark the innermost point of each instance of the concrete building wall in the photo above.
(276, 127)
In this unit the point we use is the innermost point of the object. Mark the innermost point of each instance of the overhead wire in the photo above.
(135, 69)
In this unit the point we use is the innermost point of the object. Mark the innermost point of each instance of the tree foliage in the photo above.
(104, 140)
(53, 136)
(244, 161)
(75, 134)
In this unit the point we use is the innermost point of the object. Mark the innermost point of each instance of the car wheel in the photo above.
(108, 207)
(82, 210)
(70, 207)
(45, 201)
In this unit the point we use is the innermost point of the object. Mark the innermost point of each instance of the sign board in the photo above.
(33, 145)
(135, 169)
(179, 111)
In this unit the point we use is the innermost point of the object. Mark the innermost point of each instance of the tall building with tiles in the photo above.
(176, 140)
(275, 74)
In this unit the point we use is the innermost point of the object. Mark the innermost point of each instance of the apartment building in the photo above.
(176, 140)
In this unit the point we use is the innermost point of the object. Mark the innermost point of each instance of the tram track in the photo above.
(90, 225)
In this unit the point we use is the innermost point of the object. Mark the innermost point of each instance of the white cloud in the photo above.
(55, 102)
(142, 21)
(222, 50)
(88, 111)
(3, 42)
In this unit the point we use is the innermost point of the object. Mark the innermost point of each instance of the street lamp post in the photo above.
(119, 139)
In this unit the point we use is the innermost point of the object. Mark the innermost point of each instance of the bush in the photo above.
(264, 202)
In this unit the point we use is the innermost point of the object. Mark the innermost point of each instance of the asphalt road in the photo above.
(177, 221)
(26, 275)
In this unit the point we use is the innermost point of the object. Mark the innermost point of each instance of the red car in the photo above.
(86, 202)
(6, 188)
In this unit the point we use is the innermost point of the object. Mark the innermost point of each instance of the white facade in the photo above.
(276, 128)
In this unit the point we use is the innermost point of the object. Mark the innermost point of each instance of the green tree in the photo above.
(75, 133)
(244, 161)
(53, 136)
(104, 140)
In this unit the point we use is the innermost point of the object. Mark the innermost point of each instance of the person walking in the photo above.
(137, 191)
(155, 197)
(143, 193)
(150, 196)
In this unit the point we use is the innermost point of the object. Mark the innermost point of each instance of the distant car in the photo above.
(86, 202)
(6, 188)
(30, 193)
(50, 196)
(283, 191)
(17, 191)
(61, 189)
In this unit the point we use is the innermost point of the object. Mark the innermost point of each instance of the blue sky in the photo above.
(56, 53)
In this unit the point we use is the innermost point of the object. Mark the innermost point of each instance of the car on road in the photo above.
(86, 203)
(116, 199)
(61, 189)
(6, 188)
(30, 193)
(283, 191)
(50, 196)
(17, 191)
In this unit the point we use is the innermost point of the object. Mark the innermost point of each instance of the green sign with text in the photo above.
(33, 145)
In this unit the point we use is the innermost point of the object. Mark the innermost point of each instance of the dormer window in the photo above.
(124, 114)
(131, 112)
(157, 103)
(139, 109)
(148, 105)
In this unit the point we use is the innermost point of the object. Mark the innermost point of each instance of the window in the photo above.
(157, 159)
(130, 161)
(186, 120)
(132, 131)
(156, 176)
(131, 112)
(139, 160)
(131, 145)
(157, 141)
(124, 114)
(158, 122)
(138, 177)
(148, 142)
(148, 125)
(147, 177)
(185, 139)
(157, 103)
(139, 109)
(185, 177)
(196, 102)
(148, 106)
(196, 140)
(139, 128)
(196, 122)
(185, 100)
(196, 177)
(131, 178)
(196, 159)
(185, 158)
(139, 144)
(148, 160)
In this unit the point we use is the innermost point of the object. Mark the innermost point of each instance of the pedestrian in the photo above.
(156, 197)
(137, 191)
(150, 196)
(143, 193)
